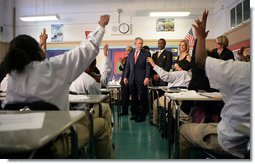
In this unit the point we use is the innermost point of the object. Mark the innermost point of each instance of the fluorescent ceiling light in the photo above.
(41, 18)
(169, 14)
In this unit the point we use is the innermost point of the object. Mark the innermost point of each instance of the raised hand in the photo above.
(43, 38)
(200, 26)
(201, 33)
(104, 20)
(150, 60)
(106, 49)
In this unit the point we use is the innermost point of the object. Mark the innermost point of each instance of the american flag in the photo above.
(190, 37)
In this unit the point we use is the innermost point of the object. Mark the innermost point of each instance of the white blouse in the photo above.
(49, 80)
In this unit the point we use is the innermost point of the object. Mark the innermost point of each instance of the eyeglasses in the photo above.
(218, 43)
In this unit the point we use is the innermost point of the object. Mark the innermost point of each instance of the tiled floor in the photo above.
(138, 140)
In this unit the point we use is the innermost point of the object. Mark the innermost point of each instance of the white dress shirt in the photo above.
(233, 79)
(49, 80)
(85, 84)
(174, 79)
(105, 71)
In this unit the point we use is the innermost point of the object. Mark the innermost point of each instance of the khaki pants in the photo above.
(102, 135)
(106, 114)
(199, 135)
(183, 116)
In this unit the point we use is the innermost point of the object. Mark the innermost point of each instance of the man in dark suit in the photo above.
(163, 59)
(125, 91)
(136, 75)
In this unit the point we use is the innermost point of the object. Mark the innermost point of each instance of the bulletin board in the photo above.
(114, 55)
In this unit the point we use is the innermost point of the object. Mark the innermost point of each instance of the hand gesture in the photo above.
(122, 61)
(150, 60)
(104, 20)
(106, 49)
(200, 26)
(43, 38)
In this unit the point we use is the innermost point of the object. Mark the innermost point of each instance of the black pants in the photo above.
(139, 94)
(125, 101)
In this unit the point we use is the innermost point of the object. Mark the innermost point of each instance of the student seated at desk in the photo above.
(233, 80)
(89, 83)
(180, 77)
(32, 77)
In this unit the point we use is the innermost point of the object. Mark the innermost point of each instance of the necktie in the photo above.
(159, 52)
(136, 55)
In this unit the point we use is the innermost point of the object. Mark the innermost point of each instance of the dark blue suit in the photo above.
(136, 73)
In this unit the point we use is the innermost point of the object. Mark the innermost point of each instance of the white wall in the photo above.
(80, 15)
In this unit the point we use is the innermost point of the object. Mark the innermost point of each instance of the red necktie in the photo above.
(136, 56)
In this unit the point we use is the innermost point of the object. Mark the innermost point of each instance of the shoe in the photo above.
(133, 117)
(151, 123)
(140, 119)
(123, 114)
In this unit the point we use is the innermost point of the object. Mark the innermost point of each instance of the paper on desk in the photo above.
(187, 94)
(11, 122)
(77, 97)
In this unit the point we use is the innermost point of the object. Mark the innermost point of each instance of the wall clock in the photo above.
(124, 28)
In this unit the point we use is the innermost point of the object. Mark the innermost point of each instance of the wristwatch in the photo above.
(124, 28)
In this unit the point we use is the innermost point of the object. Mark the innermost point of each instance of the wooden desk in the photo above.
(177, 98)
(55, 122)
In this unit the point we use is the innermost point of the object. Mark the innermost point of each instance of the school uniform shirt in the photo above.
(174, 79)
(233, 79)
(3, 86)
(105, 71)
(49, 80)
(85, 84)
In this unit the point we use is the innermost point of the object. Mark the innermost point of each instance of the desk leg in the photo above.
(74, 142)
(118, 105)
(91, 134)
(169, 112)
(150, 104)
(176, 131)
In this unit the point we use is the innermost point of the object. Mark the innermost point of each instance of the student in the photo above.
(180, 77)
(233, 79)
(105, 68)
(32, 77)
(88, 83)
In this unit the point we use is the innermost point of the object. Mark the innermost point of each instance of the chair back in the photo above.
(34, 106)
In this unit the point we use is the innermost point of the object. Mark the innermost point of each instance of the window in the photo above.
(240, 13)
(246, 10)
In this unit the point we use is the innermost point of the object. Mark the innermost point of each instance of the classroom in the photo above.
(125, 79)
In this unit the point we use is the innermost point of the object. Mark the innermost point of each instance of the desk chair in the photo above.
(44, 106)
(91, 148)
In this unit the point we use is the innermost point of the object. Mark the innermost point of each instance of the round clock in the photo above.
(124, 28)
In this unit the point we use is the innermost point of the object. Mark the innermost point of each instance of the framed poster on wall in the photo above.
(165, 24)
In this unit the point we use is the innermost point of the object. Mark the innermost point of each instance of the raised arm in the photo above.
(43, 39)
(105, 68)
(201, 34)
